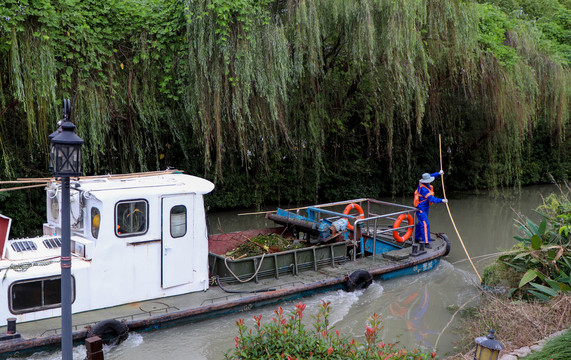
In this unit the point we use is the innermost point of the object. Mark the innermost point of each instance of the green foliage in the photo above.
(493, 26)
(543, 258)
(286, 337)
(556, 348)
(291, 101)
(27, 218)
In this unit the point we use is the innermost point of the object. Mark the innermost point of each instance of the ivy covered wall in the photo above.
(292, 100)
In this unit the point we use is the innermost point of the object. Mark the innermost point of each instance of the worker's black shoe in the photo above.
(427, 246)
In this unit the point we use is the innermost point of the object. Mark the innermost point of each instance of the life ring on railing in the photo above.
(114, 329)
(408, 231)
(359, 279)
(351, 207)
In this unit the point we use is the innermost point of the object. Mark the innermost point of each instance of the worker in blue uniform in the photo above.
(423, 198)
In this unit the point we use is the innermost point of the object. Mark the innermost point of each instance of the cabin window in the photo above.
(178, 221)
(37, 294)
(131, 218)
(95, 222)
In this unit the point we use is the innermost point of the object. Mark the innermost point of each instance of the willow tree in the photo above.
(291, 100)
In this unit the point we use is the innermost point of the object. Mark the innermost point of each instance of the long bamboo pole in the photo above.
(271, 211)
(23, 187)
(450, 214)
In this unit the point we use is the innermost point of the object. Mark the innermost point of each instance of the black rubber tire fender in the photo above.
(444, 237)
(116, 330)
(359, 279)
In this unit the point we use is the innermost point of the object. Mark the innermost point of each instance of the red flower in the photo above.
(329, 351)
(258, 318)
(433, 355)
(299, 309)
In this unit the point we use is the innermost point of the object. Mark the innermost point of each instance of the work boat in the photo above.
(142, 258)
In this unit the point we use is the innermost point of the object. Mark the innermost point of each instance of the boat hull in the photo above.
(215, 302)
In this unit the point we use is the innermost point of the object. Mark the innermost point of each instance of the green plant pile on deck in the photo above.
(540, 265)
(286, 337)
(264, 244)
(292, 100)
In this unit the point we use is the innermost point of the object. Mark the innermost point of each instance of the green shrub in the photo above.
(286, 337)
(542, 259)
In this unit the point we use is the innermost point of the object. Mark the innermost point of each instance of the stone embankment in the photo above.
(526, 350)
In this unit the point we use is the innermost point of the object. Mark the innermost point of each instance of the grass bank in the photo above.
(516, 323)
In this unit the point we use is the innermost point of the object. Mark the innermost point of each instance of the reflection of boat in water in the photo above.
(412, 307)
(142, 259)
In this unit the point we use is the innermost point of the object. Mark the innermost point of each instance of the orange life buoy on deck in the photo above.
(408, 231)
(351, 207)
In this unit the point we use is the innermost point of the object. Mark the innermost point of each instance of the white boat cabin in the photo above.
(133, 238)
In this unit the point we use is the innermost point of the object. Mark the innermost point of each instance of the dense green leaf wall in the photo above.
(292, 100)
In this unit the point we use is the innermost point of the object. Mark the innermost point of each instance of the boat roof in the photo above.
(167, 183)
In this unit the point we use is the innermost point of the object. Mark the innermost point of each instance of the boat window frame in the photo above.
(41, 307)
(185, 221)
(116, 220)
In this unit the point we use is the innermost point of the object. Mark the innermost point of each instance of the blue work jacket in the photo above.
(426, 195)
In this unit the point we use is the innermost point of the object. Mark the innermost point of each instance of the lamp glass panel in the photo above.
(485, 354)
(52, 157)
(478, 352)
(67, 159)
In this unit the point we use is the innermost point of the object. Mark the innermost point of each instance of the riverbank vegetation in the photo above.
(292, 100)
(527, 293)
(539, 266)
(286, 337)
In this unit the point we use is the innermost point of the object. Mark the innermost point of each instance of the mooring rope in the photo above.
(449, 213)
(236, 276)
(450, 322)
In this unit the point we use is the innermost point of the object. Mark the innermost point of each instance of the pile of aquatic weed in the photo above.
(516, 323)
(264, 244)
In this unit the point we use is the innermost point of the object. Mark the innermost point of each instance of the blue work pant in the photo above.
(422, 230)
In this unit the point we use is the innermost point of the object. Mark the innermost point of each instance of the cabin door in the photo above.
(177, 239)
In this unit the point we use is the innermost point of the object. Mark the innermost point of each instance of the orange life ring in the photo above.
(408, 231)
(351, 207)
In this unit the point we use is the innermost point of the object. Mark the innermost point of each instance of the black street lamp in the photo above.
(65, 162)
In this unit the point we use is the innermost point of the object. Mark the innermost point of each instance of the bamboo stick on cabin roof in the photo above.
(106, 176)
(43, 181)
(22, 187)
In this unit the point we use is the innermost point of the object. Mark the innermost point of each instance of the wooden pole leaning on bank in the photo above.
(450, 214)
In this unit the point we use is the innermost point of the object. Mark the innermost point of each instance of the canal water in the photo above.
(415, 310)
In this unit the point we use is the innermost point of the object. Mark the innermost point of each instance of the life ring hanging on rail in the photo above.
(350, 207)
(408, 231)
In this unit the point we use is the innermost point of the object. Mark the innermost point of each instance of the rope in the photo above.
(236, 277)
(450, 214)
(21, 267)
(486, 256)
(450, 322)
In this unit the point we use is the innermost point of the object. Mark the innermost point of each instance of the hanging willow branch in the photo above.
(310, 95)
